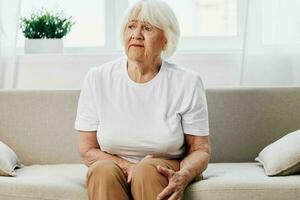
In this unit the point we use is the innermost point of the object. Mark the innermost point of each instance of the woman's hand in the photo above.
(176, 186)
(130, 172)
(128, 169)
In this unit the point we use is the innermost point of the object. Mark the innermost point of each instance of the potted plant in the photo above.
(44, 31)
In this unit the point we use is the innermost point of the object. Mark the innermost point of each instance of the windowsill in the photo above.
(86, 57)
(215, 52)
(42, 59)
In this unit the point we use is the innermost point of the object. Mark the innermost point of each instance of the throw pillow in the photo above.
(282, 157)
(8, 161)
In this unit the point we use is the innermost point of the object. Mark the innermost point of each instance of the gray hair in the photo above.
(159, 14)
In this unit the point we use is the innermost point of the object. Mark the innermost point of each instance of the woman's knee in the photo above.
(106, 169)
(146, 169)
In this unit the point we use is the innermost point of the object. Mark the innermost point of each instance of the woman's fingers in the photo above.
(165, 193)
(175, 196)
(165, 171)
(129, 177)
(168, 173)
(176, 186)
(148, 156)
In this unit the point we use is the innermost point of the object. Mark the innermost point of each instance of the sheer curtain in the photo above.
(272, 43)
(9, 24)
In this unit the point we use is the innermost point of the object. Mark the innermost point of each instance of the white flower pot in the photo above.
(44, 46)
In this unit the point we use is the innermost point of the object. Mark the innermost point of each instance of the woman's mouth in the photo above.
(136, 45)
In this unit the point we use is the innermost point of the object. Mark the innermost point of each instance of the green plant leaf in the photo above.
(43, 24)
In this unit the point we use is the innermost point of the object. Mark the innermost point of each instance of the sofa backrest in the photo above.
(38, 125)
(245, 120)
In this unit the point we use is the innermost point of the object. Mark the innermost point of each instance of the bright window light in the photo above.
(89, 30)
(206, 25)
(205, 17)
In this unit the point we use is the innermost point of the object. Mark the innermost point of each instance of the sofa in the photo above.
(39, 127)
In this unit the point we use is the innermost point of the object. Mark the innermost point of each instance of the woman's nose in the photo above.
(137, 34)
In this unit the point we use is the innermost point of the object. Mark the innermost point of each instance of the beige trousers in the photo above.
(106, 180)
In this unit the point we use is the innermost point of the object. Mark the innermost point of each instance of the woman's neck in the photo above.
(142, 72)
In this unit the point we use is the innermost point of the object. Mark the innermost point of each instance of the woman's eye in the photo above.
(130, 26)
(147, 28)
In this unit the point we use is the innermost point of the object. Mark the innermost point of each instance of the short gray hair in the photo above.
(159, 14)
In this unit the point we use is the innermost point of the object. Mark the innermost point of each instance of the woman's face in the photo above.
(143, 41)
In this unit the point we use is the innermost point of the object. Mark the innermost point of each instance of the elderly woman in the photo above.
(142, 121)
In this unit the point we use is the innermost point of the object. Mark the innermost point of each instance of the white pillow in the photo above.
(283, 156)
(8, 161)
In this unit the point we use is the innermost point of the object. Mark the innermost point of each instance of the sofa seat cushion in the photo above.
(222, 181)
(236, 181)
(61, 181)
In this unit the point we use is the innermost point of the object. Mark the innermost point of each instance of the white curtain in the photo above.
(9, 25)
(272, 43)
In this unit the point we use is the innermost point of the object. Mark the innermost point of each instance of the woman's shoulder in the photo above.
(185, 78)
(106, 68)
(182, 73)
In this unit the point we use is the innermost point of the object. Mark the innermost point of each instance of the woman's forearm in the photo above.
(194, 164)
(96, 154)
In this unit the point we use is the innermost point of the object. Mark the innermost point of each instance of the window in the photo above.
(210, 25)
(206, 25)
(89, 30)
(206, 17)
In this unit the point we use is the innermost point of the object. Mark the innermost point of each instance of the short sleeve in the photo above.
(87, 118)
(195, 116)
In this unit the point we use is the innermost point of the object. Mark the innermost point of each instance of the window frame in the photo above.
(219, 43)
(187, 44)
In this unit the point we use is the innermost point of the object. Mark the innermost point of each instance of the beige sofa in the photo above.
(38, 125)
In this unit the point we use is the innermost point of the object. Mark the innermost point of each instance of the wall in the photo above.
(67, 71)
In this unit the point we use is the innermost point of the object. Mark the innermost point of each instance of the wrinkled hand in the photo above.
(176, 186)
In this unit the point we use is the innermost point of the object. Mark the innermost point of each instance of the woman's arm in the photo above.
(194, 163)
(197, 156)
(90, 152)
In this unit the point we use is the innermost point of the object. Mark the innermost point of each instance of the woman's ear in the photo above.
(165, 45)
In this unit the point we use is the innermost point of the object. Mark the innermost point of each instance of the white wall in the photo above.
(67, 71)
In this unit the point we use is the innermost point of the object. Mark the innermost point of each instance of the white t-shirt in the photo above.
(133, 119)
